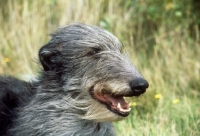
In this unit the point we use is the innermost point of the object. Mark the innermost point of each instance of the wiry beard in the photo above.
(90, 108)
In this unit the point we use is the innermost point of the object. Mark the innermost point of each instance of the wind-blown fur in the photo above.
(78, 61)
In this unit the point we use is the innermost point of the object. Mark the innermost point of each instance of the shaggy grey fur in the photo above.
(79, 60)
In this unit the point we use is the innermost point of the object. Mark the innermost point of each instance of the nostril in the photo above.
(139, 85)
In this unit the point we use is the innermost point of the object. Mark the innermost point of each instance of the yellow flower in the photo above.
(6, 60)
(132, 104)
(158, 96)
(169, 6)
(175, 101)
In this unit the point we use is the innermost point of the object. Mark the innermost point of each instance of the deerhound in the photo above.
(79, 91)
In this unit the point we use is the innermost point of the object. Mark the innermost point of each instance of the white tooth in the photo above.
(119, 106)
(121, 109)
(124, 110)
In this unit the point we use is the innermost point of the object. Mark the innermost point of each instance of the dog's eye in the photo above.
(94, 51)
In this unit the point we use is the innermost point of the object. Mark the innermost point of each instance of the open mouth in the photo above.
(115, 103)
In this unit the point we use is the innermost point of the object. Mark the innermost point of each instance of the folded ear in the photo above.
(50, 58)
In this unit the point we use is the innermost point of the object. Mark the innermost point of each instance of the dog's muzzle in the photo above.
(116, 102)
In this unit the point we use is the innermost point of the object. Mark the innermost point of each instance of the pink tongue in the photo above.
(116, 100)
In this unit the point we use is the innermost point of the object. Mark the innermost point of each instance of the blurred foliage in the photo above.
(146, 17)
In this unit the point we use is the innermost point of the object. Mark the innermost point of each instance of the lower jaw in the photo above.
(115, 111)
(105, 116)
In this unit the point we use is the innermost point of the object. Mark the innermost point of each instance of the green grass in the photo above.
(162, 40)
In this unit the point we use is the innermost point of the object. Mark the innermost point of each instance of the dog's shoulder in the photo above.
(13, 93)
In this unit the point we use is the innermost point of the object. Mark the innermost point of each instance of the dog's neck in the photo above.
(50, 114)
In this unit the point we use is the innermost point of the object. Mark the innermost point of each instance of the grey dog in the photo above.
(80, 90)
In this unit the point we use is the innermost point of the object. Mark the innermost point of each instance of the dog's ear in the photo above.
(50, 58)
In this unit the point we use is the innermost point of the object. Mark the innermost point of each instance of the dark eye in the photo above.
(94, 51)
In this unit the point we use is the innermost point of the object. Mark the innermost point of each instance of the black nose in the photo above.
(139, 86)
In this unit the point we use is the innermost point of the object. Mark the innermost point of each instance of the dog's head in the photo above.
(88, 60)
